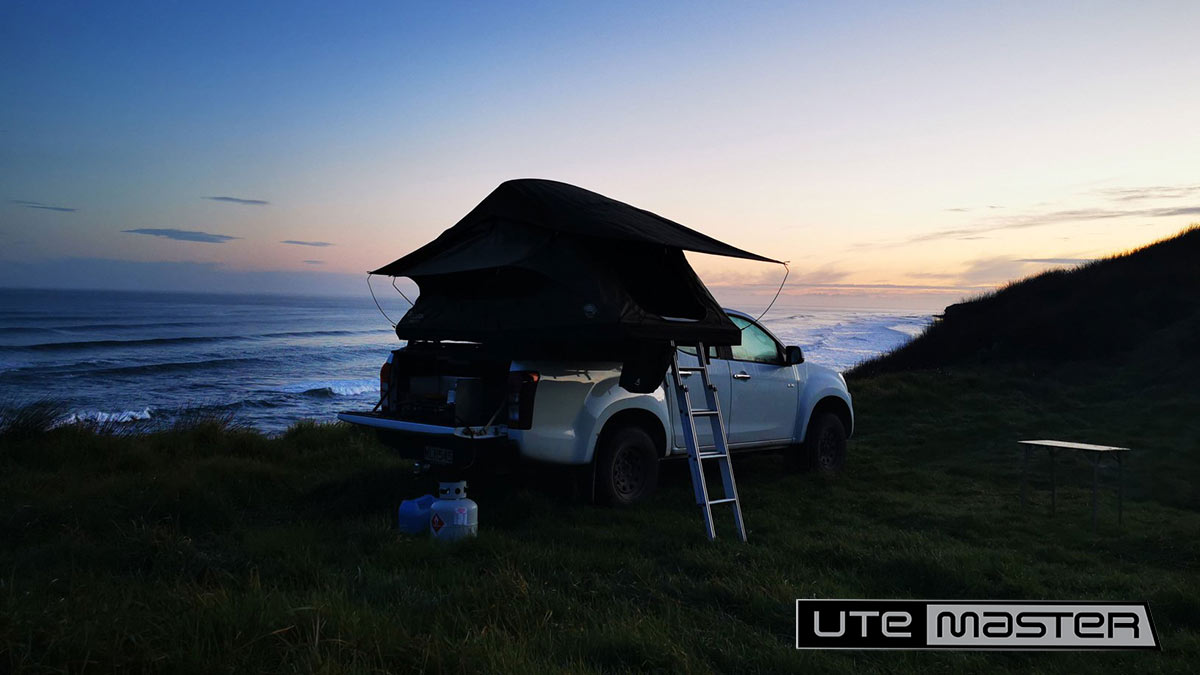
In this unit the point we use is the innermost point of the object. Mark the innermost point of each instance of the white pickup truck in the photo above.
(456, 404)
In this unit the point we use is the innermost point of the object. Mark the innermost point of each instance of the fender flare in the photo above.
(647, 406)
(821, 398)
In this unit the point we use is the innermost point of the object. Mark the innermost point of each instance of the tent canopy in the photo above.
(553, 208)
(540, 263)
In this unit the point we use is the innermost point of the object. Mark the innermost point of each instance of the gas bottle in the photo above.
(413, 514)
(452, 516)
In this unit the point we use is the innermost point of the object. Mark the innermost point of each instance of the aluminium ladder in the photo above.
(718, 451)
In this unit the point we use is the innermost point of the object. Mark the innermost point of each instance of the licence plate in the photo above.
(439, 455)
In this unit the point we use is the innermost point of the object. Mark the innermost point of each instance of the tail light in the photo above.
(522, 385)
(385, 384)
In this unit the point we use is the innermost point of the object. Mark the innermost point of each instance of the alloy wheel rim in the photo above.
(627, 474)
(827, 450)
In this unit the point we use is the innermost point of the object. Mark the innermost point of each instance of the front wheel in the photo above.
(824, 446)
(626, 467)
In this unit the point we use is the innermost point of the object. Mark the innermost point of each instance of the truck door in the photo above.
(718, 373)
(765, 392)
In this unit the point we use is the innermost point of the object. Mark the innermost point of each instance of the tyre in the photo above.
(626, 467)
(824, 446)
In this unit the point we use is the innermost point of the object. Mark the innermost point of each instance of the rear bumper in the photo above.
(451, 447)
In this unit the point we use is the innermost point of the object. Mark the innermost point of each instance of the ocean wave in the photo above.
(330, 388)
(125, 325)
(19, 330)
(99, 417)
(324, 333)
(186, 339)
(172, 366)
(89, 344)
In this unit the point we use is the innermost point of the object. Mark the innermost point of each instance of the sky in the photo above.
(896, 154)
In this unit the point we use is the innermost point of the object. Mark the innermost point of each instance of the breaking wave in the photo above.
(330, 388)
(98, 417)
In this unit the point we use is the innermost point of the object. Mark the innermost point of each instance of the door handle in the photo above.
(741, 376)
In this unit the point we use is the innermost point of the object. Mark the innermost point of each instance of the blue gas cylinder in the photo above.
(414, 514)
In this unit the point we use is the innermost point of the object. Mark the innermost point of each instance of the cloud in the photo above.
(239, 200)
(1182, 211)
(306, 243)
(771, 276)
(1050, 218)
(905, 287)
(184, 235)
(995, 271)
(313, 262)
(964, 209)
(991, 271)
(38, 205)
(1057, 261)
(1150, 192)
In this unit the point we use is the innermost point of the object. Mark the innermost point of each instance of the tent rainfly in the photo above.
(543, 266)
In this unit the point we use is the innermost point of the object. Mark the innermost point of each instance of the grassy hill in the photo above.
(1114, 310)
(208, 548)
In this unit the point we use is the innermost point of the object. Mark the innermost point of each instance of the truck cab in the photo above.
(456, 405)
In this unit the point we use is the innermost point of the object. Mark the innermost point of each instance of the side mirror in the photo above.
(793, 355)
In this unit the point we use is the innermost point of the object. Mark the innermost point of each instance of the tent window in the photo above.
(497, 283)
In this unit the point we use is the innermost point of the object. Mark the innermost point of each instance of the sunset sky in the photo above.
(895, 153)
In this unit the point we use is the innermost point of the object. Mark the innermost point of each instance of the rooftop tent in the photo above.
(542, 264)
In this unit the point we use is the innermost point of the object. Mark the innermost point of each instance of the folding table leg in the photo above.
(1053, 485)
(1120, 486)
(1024, 474)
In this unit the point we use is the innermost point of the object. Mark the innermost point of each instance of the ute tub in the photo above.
(457, 447)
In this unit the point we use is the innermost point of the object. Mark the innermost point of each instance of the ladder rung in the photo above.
(710, 455)
(703, 413)
(690, 369)
(722, 501)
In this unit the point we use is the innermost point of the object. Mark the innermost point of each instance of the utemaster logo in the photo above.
(956, 624)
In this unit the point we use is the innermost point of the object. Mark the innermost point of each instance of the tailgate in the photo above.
(381, 421)
(457, 446)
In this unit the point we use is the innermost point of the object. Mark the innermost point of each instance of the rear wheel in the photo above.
(824, 446)
(626, 467)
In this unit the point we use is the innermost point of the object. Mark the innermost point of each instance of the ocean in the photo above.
(271, 360)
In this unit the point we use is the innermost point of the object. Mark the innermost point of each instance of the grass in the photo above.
(211, 548)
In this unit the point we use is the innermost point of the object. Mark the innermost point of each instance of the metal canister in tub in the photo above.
(452, 516)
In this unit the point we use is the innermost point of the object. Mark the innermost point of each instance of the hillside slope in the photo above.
(1141, 304)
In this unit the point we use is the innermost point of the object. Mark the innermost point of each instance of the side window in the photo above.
(756, 345)
(691, 351)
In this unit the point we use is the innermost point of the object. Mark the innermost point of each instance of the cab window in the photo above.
(713, 352)
(756, 345)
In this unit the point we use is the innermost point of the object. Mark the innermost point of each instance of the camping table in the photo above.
(1095, 454)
